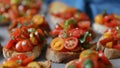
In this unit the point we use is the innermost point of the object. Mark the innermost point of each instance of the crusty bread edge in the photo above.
(7, 53)
(110, 53)
(45, 64)
(60, 57)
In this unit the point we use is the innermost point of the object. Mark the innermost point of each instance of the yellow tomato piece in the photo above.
(89, 53)
(109, 44)
(34, 65)
(38, 20)
(99, 19)
(107, 34)
(10, 64)
(57, 44)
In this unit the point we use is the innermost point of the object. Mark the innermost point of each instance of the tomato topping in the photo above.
(57, 44)
(55, 32)
(89, 54)
(20, 34)
(103, 58)
(23, 46)
(10, 44)
(116, 47)
(71, 43)
(76, 32)
(28, 60)
(110, 20)
(104, 41)
(84, 24)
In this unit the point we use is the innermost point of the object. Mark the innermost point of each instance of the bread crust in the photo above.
(45, 64)
(58, 57)
(7, 53)
(110, 53)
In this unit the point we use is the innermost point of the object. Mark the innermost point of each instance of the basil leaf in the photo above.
(71, 66)
(68, 22)
(88, 64)
(83, 38)
(19, 25)
(19, 61)
(31, 30)
(12, 38)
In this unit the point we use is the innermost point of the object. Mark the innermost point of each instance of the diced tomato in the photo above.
(71, 43)
(103, 58)
(55, 32)
(23, 46)
(116, 47)
(76, 32)
(84, 24)
(10, 44)
(21, 56)
(13, 58)
(28, 60)
(105, 40)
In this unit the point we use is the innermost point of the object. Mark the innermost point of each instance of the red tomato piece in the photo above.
(76, 32)
(104, 41)
(28, 60)
(84, 24)
(10, 44)
(116, 47)
(103, 58)
(23, 46)
(21, 56)
(55, 32)
(71, 43)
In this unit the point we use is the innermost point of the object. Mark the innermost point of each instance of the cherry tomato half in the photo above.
(23, 46)
(84, 24)
(71, 43)
(10, 44)
(76, 32)
(57, 44)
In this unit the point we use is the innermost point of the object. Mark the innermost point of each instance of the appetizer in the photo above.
(23, 61)
(109, 43)
(71, 39)
(105, 21)
(25, 40)
(11, 9)
(90, 59)
(37, 21)
(58, 14)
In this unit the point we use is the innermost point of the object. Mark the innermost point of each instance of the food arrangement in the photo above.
(23, 61)
(104, 21)
(12, 9)
(109, 43)
(90, 59)
(71, 34)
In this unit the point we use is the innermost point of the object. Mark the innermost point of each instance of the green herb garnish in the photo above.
(31, 30)
(118, 28)
(19, 61)
(83, 38)
(68, 22)
(88, 64)
(71, 66)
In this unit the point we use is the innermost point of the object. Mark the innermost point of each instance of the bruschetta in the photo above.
(109, 43)
(105, 21)
(70, 41)
(25, 40)
(37, 21)
(59, 12)
(12, 9)
(90, 59)
(23, 61)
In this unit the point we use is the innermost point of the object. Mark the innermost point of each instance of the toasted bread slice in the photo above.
(7, 53)
(71, 62)
(45, 64)
(58, 57)
(110, 53)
